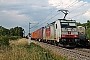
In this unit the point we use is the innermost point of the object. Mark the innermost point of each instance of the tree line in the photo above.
(87, 24)
(10, 34)
(16, 31)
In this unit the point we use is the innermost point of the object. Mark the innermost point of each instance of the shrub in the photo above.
(4, 40)
(14, 37)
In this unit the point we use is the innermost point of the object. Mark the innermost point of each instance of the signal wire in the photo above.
(54, 15)
(60, 4)
(48, 19)
(73, 3)
(78, 7)
(78, 14)
(58, 13)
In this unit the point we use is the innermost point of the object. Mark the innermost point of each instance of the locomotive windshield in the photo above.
(68, 25)
(81, 29)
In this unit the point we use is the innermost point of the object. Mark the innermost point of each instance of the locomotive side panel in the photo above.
(57, 30)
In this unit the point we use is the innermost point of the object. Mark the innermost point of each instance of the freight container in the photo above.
(32, 35)
(40, 33)
(50, 31)
(36, 34)
(47, 31)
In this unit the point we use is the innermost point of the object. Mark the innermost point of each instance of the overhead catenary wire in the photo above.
(78, 7)
(40, 22)
(72, 4)
(54, 15)
(78, 14)
(48, 19)
(59, 4)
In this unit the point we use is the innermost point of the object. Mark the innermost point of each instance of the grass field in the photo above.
(19, 50)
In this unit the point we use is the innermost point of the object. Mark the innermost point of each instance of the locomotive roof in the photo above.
(64, 20)
(61, 20)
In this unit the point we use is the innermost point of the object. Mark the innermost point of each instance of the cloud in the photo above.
(12, 18)
(67, 4)
(21, 12)
(61, 3)
(87, 14)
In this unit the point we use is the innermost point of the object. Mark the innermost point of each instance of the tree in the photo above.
(12, 32)
(17, 31)
(3, 31)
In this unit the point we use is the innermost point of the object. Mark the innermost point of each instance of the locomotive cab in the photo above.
(82, 36)
(66, 32)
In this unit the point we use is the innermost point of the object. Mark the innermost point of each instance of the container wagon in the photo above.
(40, 34)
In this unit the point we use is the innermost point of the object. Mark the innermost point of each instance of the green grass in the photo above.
(4, 40)
(27, 52)
(38, 53)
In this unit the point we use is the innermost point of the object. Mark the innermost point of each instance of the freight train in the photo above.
(61, 32)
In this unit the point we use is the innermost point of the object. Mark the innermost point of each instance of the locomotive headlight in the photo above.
(75, 36)
(76, 40)
(88, 40)
(63, 35)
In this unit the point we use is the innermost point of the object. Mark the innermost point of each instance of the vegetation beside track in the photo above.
(19, 50)
(4, 40)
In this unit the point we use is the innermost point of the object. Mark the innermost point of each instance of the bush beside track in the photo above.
(19, 50)
(4, 40)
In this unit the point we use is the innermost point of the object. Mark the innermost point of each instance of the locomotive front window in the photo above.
(68, 25)
(72, 25)
(64, 25)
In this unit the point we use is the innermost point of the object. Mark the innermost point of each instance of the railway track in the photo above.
(78, 54)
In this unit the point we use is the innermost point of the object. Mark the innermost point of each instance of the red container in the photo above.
(48, 31)
(36, 34)
(40, 33)
(32, 35)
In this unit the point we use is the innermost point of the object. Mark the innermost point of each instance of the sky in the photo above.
(40, 13)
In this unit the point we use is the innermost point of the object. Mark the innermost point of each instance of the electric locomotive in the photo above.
(83, 41)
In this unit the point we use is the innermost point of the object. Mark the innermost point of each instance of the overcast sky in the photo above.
(20, 12)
